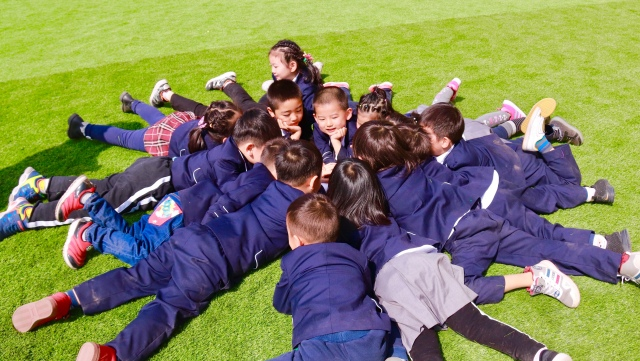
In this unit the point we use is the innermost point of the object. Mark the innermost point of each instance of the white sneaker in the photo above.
(630, 269)
(534, 132)
(548, 280)
(217, 82)
(155, 99)
(319, 65)
(267, 84)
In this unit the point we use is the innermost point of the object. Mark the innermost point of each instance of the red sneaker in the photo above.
(70, 200)
(91, 351)
(75, 248)
(27, 317)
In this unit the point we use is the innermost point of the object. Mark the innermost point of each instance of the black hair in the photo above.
(375, 102)
(297, 162)
(281, 91)
(379, 144)
(417, 140)
(314, 218)
(358, 194)
(271, 150)
(331, 94)
(444, 120)
(291, 51)
(217, 123)
(256, 126)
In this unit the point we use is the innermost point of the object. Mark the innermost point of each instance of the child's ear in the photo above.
(314, 184)
(349, 113)
(298, 241)
(293, 66)
(446, 143)
(271, 112)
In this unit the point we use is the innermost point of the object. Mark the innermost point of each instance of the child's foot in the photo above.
(218, 82)
(15, 218)
(267, 84)
(126, 99)
(565, 132)
(550, 355)
(618, 242)
(71, 200)
(630, 267)
(91, 351)
(546, 106)
(548, 279)
(319, 65)
(76, 127)
(28, 186)
(534, 133)
(604, 192)
(55, 307)
(513, 110)
(384, 86)
(337, 84)
(155, 98)
(454, 85)
(75, 247)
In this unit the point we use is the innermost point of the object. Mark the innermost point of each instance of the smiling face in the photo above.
(280, 68)
(289, 112)
(331, 117)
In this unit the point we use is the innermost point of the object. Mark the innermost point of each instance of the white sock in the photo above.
(590, 193)
(43, 185)
(85, 197)
(83, 127)
(599, 241)
(537, 356)
(510, 127)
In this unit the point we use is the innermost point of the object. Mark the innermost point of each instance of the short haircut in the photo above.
(379, 144)
(281, 91)
(314, 218)
(297, 162)
(256, 126)
(444, 120)
(331, 94)
(271, 150)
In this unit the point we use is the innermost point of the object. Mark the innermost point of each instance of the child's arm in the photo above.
(323, 142)
(281, 295)
(336, 140)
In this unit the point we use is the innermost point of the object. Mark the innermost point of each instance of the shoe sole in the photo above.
(574, 295)
(89, 352)
(228, 75)
(67, 194)
(546, 105)
(155, 90)
(23, 178)
(27, 317)
(65, 249)
(562, 124)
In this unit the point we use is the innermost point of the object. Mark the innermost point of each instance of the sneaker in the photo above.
(217, 82)
(546, 105)
(70, 200)
(126, 99)
(338, 84)
(55, 307)
(565, 132)
(548, 279)
(28, 187)
(550, 355)
(91, 351)
(384, 86)
(155, 98)
(619, 242)
(513, 110)
(267, 84)
(75, 127)
(15, 218)
(454, 85)
(630, 269)
(75, 248)
(319, 65)
(534, 132)
(604, 192)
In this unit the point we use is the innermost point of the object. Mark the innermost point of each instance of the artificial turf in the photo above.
(60, 58)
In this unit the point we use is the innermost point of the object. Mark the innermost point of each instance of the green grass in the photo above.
(60, 58)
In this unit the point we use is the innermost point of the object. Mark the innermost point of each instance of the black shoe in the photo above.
(619, 242)
(126, 99)
(604, 192)
(75, 127)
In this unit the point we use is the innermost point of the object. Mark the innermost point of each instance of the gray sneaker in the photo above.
(548, 280)
(217, 82)
(565, 132)
(155, 99)
(604, 192)
(630, 269)
(619, 242)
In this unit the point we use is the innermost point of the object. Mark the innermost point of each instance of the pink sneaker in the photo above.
(512, 109)
(91, 351)
(454, 84)
(384, 85)
(338, 84)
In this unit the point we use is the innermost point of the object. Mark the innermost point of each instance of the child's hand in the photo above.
(295, 130)
(339, 134)
(327, 169)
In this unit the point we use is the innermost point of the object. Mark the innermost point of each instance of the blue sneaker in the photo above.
(28, 187)
(14, 219)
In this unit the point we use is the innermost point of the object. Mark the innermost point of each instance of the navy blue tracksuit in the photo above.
(327, 289)
(184, 273)
(477, 237)
(323, 142)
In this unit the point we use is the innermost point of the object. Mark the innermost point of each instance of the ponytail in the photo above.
(217, 123)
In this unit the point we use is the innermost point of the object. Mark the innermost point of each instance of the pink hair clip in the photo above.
(307, 57)
(201, 123)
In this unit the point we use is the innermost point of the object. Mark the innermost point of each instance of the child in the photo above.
(144, 182)
(326, 287)
(185, 272)
(109, 233)
(174, 135)
(455, 218)
(419, 289)
(335, 124)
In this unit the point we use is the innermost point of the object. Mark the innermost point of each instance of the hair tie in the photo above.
(307, 58)
(201, 123)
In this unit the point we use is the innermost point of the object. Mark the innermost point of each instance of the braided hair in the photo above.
(217, 123)
(290, 51)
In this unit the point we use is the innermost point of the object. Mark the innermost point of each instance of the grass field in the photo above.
(66, 57)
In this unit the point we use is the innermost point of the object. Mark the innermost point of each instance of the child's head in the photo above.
(373, 106)
(284, 102)
(416, 138)
(312, 219)
(331, 109)
(381, 146)
(252, 130)
(299, 165)
(288, 60)
(444, 125)
(270, 151)
(217, 123)
(357, 193)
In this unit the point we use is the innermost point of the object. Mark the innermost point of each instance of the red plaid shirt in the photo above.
(158, 136)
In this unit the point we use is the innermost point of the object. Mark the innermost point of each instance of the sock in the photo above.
(85, 197)
(73, 298)
(510, 127)
(543, 145)
(599, 241)
(625, 258)
(591, 192)
(518, 123)
(83, 127)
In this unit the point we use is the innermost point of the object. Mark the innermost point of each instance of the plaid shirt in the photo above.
(158, 136)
